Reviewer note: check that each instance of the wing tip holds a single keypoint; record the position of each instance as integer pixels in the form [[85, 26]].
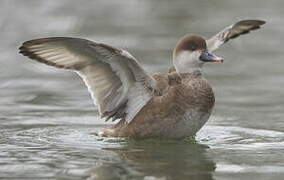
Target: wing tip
[[249, 25], [258, 21], [252, 22], [261, 22], [24, 50]]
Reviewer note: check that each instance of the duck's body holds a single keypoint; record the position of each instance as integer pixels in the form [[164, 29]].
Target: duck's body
[[169, 105], [183, 107]]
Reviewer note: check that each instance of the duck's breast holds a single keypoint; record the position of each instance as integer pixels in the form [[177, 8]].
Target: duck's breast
[[181, 111], [191, 104]]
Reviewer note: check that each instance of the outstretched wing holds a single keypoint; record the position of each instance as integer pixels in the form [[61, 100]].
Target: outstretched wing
[[116, 81], [233, 31]]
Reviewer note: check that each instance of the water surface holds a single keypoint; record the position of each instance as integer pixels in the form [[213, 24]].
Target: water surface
[[47, 119]]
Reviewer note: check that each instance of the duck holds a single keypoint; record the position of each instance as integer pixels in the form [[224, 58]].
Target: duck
[[174, 104]]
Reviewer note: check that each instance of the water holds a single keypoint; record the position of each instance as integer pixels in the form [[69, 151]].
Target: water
[[47, 120]]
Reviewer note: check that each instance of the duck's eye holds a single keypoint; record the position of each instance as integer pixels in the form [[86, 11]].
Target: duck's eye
[[193, 48]]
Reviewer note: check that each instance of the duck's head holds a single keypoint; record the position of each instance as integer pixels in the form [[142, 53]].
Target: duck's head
[[191, 53]]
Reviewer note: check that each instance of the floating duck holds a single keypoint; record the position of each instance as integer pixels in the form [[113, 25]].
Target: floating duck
[[166, 105]]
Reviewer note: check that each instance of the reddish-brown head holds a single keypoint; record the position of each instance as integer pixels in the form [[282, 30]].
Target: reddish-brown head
[[190, 54], [190, 42]]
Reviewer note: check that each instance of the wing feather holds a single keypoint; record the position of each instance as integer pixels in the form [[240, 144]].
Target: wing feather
[[115, 79], [231, 32]]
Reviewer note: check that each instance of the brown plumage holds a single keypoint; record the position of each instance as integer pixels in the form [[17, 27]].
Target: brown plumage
[[168, 115], [190, 42]]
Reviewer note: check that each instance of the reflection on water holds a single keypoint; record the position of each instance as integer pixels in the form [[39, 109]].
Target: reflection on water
[[47, 119], [154, 158]]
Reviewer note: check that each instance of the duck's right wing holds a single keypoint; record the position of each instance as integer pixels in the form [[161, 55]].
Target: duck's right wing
[[116, 81], [233, 31]]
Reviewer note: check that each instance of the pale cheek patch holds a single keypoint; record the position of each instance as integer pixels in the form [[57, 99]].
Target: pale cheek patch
[[187, 62]]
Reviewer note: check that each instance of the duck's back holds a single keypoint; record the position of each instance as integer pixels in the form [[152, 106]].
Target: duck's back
[[183, 107]]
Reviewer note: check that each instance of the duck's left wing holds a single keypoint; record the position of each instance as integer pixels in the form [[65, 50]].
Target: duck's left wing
[[115, 79], [233, 31]]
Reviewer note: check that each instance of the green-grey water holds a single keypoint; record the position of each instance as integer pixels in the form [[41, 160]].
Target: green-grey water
[[47, 118]]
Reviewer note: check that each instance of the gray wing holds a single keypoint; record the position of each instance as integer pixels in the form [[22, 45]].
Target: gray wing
[[116, 81], [233, 31]]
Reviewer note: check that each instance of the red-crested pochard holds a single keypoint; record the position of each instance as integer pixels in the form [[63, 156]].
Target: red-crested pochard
[[170, 105]]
